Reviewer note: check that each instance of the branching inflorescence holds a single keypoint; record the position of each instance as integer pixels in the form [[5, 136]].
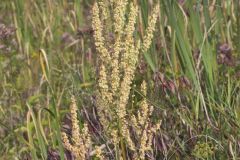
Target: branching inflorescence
[[118, 60], [81, 142]]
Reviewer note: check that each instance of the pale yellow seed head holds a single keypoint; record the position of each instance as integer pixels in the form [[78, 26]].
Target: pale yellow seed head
[[99, 154], [98, 35], [75, 122], [150, 29], [143, 143], [119, 15], [66, 142]]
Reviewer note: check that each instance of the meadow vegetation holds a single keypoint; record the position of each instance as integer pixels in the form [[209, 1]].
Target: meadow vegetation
[[124, 80]]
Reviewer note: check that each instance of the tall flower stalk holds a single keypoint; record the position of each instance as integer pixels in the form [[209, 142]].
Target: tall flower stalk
[[118, 50]]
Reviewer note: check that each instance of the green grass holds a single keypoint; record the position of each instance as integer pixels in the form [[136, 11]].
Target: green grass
[[51, 56]]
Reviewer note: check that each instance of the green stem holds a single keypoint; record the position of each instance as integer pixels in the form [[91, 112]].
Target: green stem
[[123, 149]]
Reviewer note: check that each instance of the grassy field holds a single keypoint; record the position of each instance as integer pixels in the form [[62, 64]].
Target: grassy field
[[114, 84]]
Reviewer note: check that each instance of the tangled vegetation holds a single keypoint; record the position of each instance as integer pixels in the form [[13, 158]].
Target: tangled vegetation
[[124, 80]]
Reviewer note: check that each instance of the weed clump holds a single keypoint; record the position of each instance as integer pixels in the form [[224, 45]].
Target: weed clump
[[203, 150]]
